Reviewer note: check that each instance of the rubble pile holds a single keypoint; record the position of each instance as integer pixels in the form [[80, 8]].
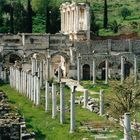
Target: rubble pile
[[12, 125]]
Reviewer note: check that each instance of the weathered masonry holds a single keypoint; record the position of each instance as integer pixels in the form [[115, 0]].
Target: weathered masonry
[[79, 56]]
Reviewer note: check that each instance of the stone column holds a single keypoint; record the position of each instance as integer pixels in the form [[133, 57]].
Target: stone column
[[33, 66], [135, 68], [85, 98], [101, 112], [62, 103], [59, 74], [47, 97], [35, 85], [61, 20], [54, 107], [48, 69], [127, 126], [78, 69], [122, 69], [106, 71], [41, 74], [94, 71], [37, 90], [72, 110]]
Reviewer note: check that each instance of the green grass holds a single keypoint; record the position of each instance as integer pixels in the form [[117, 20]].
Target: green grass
[[41, 123]]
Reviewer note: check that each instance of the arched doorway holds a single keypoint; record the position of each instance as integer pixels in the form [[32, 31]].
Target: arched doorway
[[102, 67], [86, 72], [56, 61], [13, 58]]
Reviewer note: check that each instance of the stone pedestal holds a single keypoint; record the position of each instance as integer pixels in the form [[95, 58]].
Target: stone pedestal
[[85, 98]]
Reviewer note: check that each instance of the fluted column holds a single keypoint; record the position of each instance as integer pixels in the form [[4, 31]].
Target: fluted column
[[47, 97], [85, 98], [94, 71], [101, 102], [135, 68], [106, 71], [54, 107]]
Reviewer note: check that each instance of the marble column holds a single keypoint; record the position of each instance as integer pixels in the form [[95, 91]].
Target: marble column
[[33, 66], [122, 69], [47, 97], [48, 69], [127, 126], [78, 69], [101, 112], [94, 71], [54, 107], [135, 69], [85, 98], [72, 109], [106, 71], [35, 85], [37, 90], [62, 103], [59, 74], [41, 73]]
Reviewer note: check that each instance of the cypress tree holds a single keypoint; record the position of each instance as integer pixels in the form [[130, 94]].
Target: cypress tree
[[105, 14], [29, 17]]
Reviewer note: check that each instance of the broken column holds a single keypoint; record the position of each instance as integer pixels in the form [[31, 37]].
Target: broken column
[[54, 108], [101, 112], [79, 69], [85, 98], [122, 69], [94, 71], [72, 109], [62, 103], [127, 126], [47, 97]]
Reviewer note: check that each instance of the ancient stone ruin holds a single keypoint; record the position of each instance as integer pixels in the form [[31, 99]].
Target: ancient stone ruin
[[12, 124]]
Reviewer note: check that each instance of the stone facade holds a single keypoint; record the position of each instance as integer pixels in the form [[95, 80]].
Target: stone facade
[[62, 49]]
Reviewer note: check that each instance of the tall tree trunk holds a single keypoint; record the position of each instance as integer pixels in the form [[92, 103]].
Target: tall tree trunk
[[29, 17], [105, 14]]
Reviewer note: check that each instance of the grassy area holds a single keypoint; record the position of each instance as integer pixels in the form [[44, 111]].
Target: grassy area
[[45, 127]]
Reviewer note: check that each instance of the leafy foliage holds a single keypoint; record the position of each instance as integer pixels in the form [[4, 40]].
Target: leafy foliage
[[126, 97], [125, 12]]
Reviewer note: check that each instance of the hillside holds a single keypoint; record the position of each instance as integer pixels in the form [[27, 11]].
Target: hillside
[[125, 26]]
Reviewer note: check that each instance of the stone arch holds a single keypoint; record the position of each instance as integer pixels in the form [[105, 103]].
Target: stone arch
[[41, 56], [127, 66], [62, 59], [101, 66], [11, 57], [86, 72]]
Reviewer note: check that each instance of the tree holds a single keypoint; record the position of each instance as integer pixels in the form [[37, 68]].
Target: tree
[[105, 14], [125, 97], [94, 26], [115, 26], [125, 12], [29, 17]]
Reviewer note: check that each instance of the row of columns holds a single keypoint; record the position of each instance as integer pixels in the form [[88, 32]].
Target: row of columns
[[53, 97], [26, 84], [106, 70]]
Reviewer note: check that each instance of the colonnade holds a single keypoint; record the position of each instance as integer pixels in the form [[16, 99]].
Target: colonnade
[[122, 73]]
